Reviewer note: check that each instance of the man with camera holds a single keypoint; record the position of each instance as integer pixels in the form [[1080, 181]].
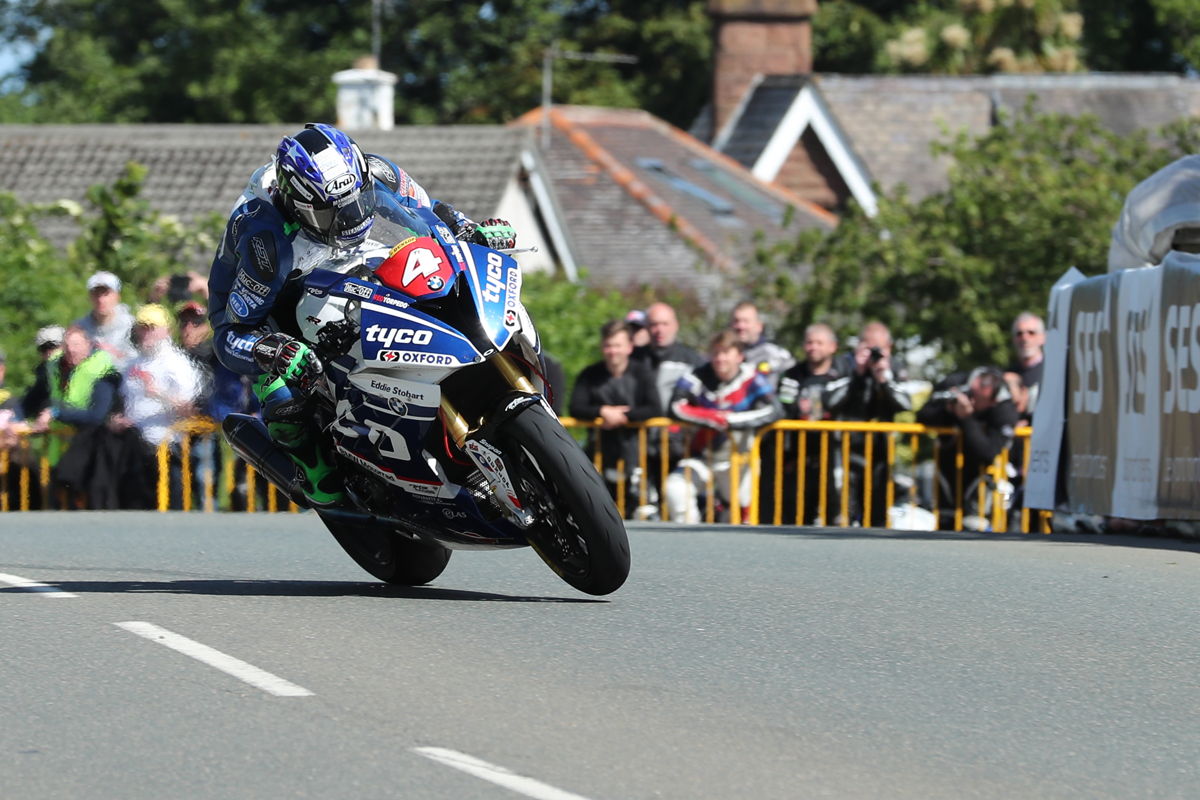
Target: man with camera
[[981, 406], [868, 391]]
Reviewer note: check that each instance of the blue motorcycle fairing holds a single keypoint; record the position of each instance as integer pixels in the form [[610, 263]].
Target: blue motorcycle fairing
[[495, 281], [410, 337]]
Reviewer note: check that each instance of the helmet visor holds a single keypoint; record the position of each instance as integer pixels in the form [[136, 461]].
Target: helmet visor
[[342, 224]]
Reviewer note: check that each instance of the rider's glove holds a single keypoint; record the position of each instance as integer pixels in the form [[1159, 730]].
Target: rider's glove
[[291, 359], [496, 234]]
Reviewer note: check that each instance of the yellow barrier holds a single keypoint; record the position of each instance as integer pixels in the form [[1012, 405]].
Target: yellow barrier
[[25, 472]]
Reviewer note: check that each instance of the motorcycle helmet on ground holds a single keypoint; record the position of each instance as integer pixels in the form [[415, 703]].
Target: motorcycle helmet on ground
[[325, 185]]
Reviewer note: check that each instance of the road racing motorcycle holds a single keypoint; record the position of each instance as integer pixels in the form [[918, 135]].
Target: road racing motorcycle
[[432, 404]]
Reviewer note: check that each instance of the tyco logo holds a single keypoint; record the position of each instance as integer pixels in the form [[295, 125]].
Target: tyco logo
[[494, 274], [386, 337]]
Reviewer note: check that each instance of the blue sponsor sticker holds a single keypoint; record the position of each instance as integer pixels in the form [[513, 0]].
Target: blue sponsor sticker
[[238, 305]]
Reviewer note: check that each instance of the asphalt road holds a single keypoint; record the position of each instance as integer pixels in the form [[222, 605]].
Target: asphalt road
[[733, 664]]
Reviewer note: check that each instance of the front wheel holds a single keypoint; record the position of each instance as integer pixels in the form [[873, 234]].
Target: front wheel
[[577, 530], [388, 555]]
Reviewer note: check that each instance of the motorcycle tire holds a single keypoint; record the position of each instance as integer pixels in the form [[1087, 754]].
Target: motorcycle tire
[[389, 556], [577, 530]]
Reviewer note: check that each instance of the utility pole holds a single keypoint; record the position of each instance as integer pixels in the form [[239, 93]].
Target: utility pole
[[552, 52]]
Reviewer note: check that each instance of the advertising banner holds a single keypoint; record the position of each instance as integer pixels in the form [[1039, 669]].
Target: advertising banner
[[1091, 396], [1179, 483], [1049, 417], [1135, 487]]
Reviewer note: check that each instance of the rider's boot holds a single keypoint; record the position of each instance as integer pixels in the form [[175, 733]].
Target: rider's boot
[[322, 481], [288, 428]]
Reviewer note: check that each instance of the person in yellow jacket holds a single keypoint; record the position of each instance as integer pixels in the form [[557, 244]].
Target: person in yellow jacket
[[83, 388]]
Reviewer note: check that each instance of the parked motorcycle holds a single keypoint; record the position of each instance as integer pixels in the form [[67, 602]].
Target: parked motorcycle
[[432, 404]]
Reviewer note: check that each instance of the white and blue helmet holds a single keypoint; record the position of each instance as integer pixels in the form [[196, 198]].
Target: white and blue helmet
[[325, 185]]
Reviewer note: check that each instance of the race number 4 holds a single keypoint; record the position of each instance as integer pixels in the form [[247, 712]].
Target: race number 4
[[422, 262]]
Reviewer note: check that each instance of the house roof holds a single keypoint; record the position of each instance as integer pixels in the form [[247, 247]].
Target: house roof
[[197, 169], [648, 203], [888, 123]]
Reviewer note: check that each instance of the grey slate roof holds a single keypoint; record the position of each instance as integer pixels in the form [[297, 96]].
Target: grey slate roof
[[196, 169], [647, 203], [891, 121]]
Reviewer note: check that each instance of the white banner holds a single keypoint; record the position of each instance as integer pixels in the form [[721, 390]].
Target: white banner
[[1049, 417], [1135, 490]]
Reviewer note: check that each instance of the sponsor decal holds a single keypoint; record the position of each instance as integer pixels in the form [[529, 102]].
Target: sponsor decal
[[358, 290], [454, 251], [491, 292], [313, 320], [382, 170], [386, 337], [264, 255], [387, 300], [517, 401], [315, 292], [237, 344], [252, 286], [510, 318], [374, 469], [434, 283], [340, 184], [451, 513], [238, 305], [397, 407], [359, 228], [401, 246], [397, 390], [444, 233], [408, 357]]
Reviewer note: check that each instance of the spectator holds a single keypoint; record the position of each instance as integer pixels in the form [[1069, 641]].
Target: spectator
[[669, 358], [8, 401], [83, 387], [980, 405], [867, 390], [760, 352], [556, 382], [48, 341], [1029, 342], [800, 391], [728, 399], [618, 391], [179, 288], [109, 322], [160, 389], [222, 392], [636, 320]]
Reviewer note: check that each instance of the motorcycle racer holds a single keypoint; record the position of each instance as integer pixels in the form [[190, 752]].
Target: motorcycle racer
[[317, 196]]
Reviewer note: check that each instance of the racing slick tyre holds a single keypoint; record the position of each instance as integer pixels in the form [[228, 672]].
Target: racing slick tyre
[[388, 555], [577, 530]]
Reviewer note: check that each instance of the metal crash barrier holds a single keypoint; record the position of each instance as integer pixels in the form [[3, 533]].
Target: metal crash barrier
[[789, 472]]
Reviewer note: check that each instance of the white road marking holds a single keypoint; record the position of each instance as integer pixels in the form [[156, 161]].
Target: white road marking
[[44, 589], [496, 774], [258, 678]]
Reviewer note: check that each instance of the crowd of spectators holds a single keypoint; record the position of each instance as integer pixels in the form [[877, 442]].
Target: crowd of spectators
[[747, 381], [108, 394], [111, 388]]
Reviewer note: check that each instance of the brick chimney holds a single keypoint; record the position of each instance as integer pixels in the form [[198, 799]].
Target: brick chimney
[[752, 37]]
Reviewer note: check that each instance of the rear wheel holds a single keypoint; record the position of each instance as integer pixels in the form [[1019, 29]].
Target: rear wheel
[[577, 530], [389, 556]]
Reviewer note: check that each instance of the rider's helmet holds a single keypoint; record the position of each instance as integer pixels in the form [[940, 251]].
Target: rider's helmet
[[325, 185]]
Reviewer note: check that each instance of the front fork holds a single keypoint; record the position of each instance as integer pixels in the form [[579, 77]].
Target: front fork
[[486, 457]]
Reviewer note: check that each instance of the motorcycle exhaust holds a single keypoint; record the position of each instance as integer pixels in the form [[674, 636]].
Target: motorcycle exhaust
[[249, 438]]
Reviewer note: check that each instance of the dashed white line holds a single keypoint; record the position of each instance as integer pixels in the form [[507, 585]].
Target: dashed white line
[[258, 678], [496, 774], [44, 589]]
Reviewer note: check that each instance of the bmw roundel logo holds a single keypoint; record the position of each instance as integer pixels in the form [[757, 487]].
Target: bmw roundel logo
[[398, 407], [238, 305], [435, 283]]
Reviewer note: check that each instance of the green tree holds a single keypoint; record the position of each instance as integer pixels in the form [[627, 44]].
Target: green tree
[[1024, 202], [979, 36], [272, 60]]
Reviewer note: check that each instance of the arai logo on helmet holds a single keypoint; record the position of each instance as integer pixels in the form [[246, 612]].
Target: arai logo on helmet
[[340, 184]]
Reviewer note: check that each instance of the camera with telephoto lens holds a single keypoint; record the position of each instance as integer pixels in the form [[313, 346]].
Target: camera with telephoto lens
[[875, 356]]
